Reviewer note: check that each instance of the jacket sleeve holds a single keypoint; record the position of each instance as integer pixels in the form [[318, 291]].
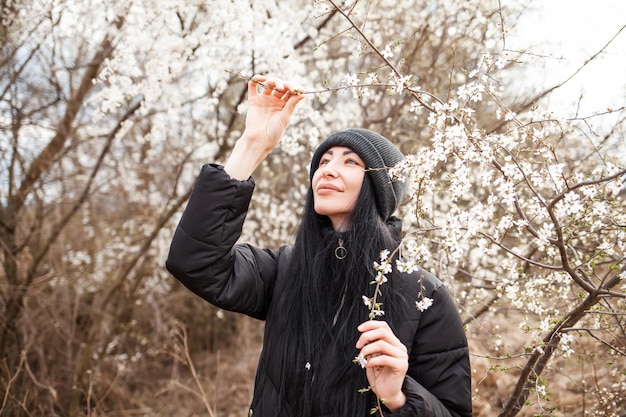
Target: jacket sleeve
[[438, 382], [203, 254]]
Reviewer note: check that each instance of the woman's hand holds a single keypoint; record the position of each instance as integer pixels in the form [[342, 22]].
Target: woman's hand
[[271, 102], [386, 362], [270, 109]]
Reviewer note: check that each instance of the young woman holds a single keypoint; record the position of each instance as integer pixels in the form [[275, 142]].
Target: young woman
[[311, 293]]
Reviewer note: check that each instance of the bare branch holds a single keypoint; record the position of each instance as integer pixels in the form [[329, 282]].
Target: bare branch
[[48, 154], [38, 258], [533, 100]]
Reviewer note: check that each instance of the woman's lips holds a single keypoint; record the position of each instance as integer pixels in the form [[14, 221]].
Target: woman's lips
[[327, 187]]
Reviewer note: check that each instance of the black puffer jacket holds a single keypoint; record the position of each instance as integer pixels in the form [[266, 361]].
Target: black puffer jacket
[[242, 278]]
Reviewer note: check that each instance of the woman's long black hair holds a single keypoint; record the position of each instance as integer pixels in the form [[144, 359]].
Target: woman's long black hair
[[323, 306]]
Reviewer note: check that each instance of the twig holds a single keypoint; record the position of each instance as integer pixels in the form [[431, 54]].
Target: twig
[[381, 56], [50, 388], [192, 369], [340, 88], [10, 382]]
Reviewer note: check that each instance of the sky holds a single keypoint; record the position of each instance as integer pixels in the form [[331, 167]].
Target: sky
[[565, 33]]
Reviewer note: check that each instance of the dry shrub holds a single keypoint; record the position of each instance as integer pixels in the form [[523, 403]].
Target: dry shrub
[[589, 382]]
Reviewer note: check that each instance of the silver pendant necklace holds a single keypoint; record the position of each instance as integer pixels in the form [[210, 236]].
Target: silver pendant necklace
[[340, 251]]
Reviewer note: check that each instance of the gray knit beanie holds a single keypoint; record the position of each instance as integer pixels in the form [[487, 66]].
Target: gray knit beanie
[[378, 154]]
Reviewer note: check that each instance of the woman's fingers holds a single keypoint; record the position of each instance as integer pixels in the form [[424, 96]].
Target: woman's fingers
[[381, 354], [293, 99], [373, 330], [379, 346], [384, 347], [274, 87]]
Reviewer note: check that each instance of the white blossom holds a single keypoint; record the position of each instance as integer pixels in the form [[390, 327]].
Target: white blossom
[[423, 304]]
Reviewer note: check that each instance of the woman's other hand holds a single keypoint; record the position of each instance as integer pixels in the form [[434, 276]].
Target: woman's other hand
[[386, 362]]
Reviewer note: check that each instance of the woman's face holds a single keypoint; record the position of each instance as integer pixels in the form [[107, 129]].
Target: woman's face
[[337, 184]]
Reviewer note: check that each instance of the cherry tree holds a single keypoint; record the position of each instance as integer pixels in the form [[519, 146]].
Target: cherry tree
[[521, 209]]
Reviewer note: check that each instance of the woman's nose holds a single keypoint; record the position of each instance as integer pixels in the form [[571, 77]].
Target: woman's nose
[[329, 169]]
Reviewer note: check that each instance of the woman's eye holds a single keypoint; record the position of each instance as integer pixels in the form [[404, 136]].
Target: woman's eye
[[353, 162], [323, 162]]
